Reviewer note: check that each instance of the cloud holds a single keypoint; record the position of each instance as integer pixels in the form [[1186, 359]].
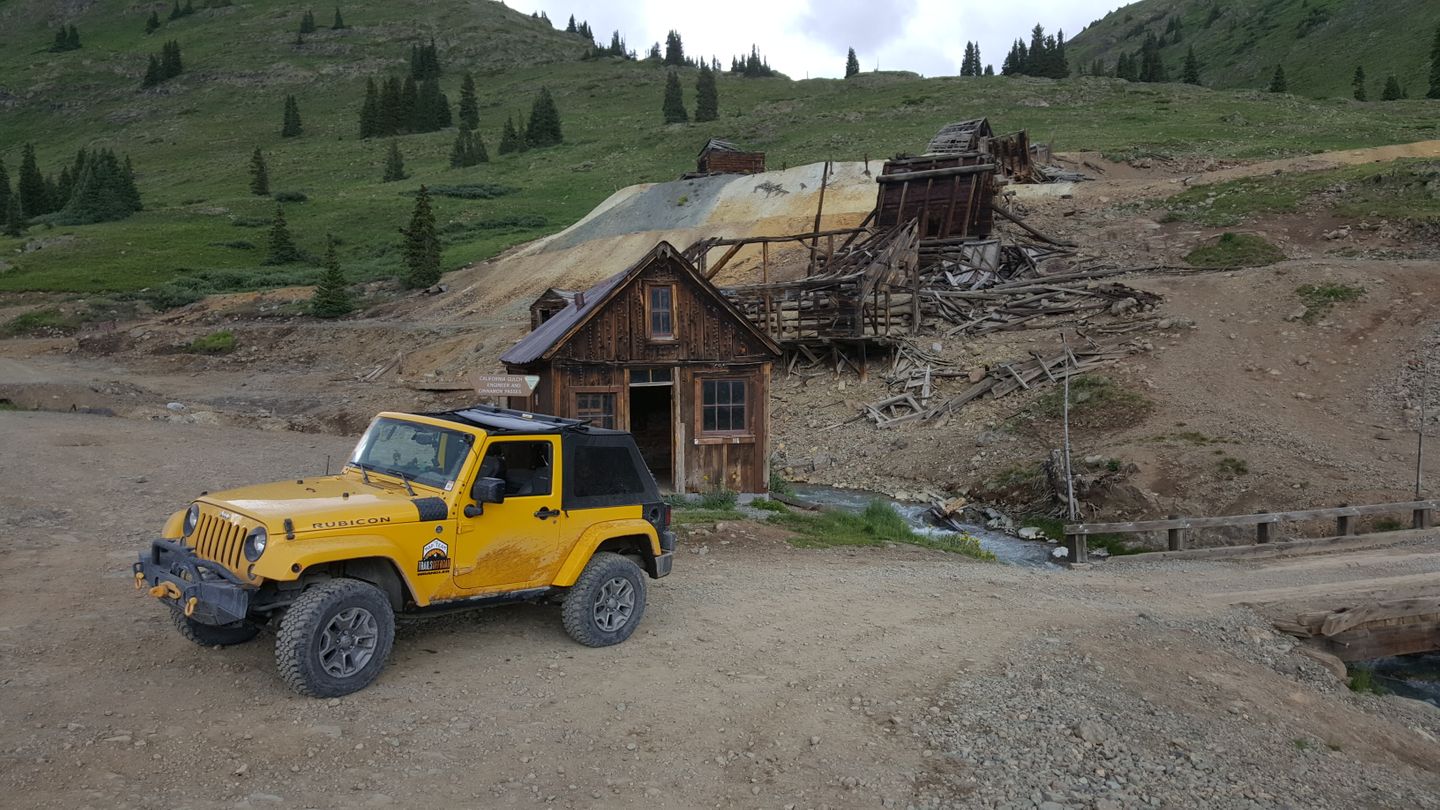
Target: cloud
[[860, 24]]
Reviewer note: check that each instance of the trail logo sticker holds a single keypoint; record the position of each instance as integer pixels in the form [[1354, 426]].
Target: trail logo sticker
[[435, 558]]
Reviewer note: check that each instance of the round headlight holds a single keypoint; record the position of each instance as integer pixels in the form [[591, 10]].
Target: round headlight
[[255, 543], [192, 517]]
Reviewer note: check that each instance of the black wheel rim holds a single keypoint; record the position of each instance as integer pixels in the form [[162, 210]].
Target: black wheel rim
[[348, 642], [614, 604]]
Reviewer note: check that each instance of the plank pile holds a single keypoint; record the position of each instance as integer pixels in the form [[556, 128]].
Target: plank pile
[[1373, 630]]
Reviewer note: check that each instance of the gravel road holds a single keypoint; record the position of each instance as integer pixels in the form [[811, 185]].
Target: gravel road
[[764, 676]]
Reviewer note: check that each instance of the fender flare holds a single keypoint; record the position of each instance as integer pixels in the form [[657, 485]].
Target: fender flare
[[597, 534], [308, 553]]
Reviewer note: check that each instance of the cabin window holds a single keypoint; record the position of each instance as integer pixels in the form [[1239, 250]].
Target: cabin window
[[651, 376], [597, 406], [660, 311], [723, 406]]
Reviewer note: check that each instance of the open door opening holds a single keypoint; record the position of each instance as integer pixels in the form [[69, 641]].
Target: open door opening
[[651, 414]]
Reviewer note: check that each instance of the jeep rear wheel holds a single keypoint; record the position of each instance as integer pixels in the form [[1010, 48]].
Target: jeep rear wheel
[[209, 635], [334, 639], [606, 603]]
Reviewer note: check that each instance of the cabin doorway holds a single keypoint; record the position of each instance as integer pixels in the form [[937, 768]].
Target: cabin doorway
[[652, 419]]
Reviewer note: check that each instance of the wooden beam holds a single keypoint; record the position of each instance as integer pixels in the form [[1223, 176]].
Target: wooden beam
[[1135, 527], [1000, 209], [933, 173]]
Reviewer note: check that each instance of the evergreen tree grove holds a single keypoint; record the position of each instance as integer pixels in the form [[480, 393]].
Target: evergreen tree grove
[[170, 65], [1357, 82], [707, 95], [673, 106], [290, 126], [103, 190], [153, 23], [422, 245], [259, 175], [307, 23], [544, 127], [394, 164], [153, 76], [1434, 91], [852, 64], [282, 246], [468, 149], [469, 108], [674, 49], [332, 296]]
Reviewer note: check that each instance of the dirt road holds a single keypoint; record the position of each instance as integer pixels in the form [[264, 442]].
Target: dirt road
[[763, 676]]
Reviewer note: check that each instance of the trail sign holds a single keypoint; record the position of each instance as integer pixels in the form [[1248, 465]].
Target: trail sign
[[505, 385]]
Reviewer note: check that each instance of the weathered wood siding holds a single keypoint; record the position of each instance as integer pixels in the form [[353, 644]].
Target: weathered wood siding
[[947, 206], [724, 162]]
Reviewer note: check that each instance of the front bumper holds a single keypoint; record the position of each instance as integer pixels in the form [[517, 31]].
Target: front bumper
[[203, 590]]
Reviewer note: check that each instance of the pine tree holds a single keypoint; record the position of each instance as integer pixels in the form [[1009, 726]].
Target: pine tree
[[153, 23], [1152, 65], [60, 40], [1191, 74], [394, 164], [370, 111], [674, 49], [422, 245], [14, 220], [307, 23], [72, 39], [469, 108], [189, 8], [1357, 82], [259, 175], [852, 64], [570, 26], [409, 105], [460, 151], [1393, 91], [282, 247], [707, 95], [30, 186], [170, 65], [509, 138], [389, 116], [176, 13], [290, 127], [128, 190], [674, 104], [332, 297], [339, 23], [968, 59], [6, 195], [989, 70], [153, 74], [1435, 67], [1277, 82], [544, 127]]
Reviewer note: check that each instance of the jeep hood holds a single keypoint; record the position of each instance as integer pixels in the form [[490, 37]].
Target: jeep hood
[[334, 502]]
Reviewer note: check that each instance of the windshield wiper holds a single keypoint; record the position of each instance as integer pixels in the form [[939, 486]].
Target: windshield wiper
[[363, 471], [406, 482]]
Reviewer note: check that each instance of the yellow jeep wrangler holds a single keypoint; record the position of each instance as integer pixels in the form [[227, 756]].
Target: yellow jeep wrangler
[[433, 512]]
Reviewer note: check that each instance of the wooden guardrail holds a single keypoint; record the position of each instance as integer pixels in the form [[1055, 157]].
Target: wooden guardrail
[[1176, 527]]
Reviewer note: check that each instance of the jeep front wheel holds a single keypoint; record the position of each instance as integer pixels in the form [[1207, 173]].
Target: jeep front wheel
[[606, 602], [334, 639], [208, 635]]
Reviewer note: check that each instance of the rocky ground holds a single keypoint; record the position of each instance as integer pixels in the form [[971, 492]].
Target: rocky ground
[[764, 676]]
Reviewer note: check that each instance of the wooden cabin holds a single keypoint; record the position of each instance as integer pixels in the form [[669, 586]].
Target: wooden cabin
[[951, 196], [658, 351], [549, 304], [724, 157], [961, 136]]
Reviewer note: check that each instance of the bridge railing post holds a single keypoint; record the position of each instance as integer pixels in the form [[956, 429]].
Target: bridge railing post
[[1175, 538], [1078, 548], [1263, 532], [1344, 524], [1421, 519]]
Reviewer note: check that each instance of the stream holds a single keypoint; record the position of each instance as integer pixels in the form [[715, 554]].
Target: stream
[[1412, 676], [1007, 549]]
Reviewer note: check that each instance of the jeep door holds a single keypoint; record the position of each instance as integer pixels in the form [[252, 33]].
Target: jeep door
[[514, 544]]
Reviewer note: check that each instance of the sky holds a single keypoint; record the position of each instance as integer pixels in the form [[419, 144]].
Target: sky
[[809, 38]]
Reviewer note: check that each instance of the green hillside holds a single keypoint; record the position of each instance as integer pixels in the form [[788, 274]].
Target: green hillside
[[191, 138], [1239, 42]]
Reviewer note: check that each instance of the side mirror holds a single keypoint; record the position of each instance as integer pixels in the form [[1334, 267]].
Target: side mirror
[[488, 490]]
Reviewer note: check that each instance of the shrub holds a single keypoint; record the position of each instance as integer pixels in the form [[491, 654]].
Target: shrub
[[1236, 250], [222, 342], [718, 499], [290, 196], [49, 320], [1319, 299], [1095, 402], [473, 191]]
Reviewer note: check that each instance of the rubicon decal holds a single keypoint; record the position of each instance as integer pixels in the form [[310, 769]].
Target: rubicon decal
[[340, 524], [435, 558]]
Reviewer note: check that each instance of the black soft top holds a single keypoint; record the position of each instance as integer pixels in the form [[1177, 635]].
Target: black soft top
[[602, 467]]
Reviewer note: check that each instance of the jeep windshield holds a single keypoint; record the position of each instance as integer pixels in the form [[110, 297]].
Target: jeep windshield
[[416, 452]]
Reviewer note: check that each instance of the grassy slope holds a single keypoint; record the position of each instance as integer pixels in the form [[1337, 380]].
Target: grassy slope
[[191, 140], [1242, 47]]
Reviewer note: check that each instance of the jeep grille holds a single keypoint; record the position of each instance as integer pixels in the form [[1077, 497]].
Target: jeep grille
[[220, 540]]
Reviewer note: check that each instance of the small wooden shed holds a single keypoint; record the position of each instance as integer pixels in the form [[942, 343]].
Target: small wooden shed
[[658, 351], [724, 157], [549, 304]]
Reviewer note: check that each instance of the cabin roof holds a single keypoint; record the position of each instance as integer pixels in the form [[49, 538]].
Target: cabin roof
[[549, 336]]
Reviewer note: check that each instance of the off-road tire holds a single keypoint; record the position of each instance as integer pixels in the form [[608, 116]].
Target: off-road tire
[[580, 608], [303, 631], [208, 635]]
